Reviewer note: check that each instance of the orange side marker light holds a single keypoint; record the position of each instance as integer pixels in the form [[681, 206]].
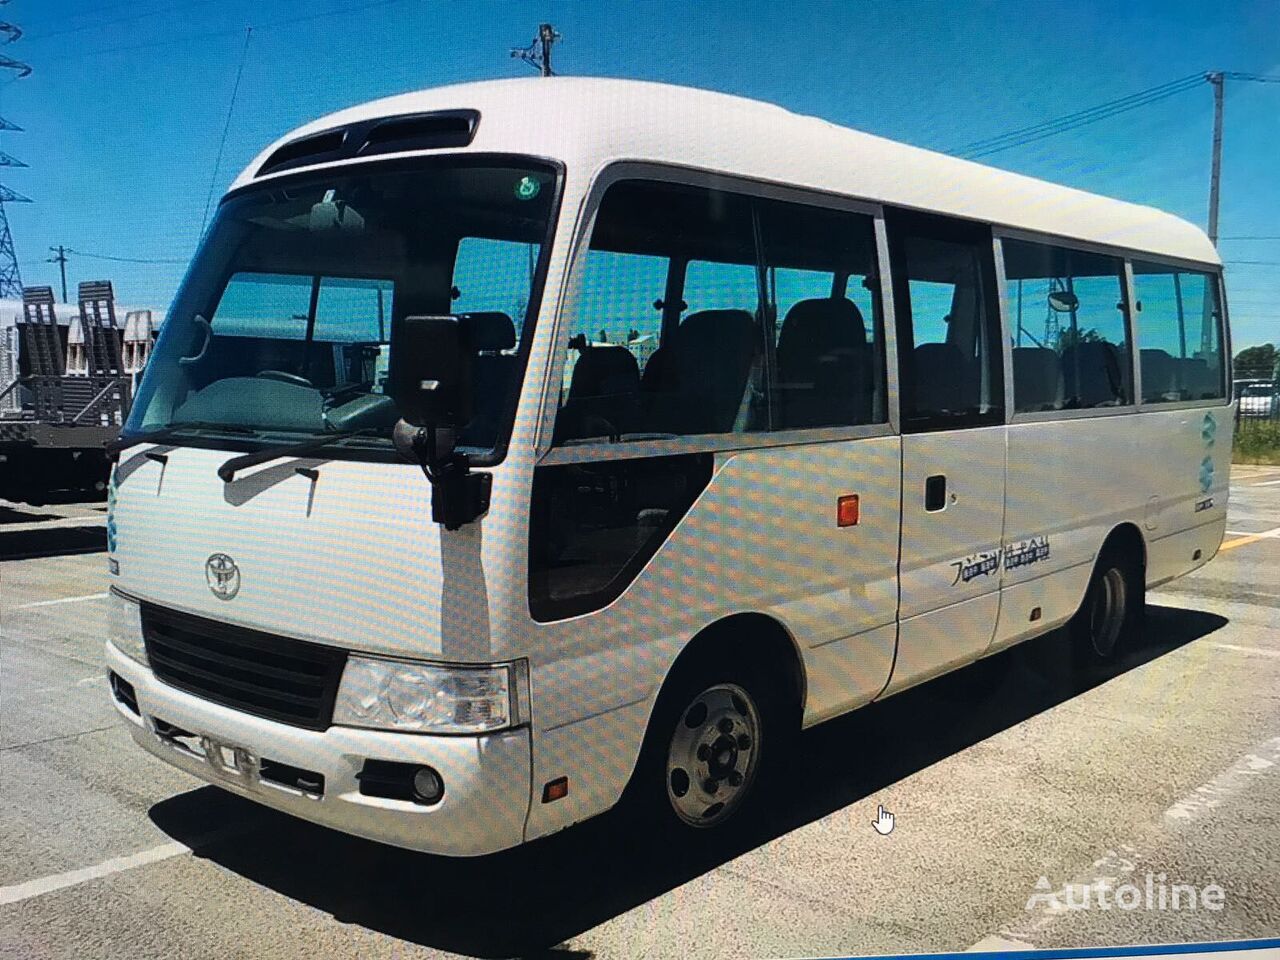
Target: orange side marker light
[[555, 789], [847, 511]]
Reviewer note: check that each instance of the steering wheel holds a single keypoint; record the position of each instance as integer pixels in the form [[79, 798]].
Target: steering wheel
[[285, 377]]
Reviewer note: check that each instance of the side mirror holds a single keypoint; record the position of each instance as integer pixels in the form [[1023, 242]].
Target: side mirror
[[429, 372], [429, 378]]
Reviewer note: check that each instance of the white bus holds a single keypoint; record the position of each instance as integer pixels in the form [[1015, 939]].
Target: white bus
[[407, 539]]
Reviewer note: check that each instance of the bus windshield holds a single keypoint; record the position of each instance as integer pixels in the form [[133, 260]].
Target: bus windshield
[[281, 329]]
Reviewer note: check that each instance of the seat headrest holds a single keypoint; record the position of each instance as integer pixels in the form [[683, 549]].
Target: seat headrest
[[717, 323], [604, 371], [490, 330], [832, 322]]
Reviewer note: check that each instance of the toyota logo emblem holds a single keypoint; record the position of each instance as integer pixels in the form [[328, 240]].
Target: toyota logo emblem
[[222, 575]]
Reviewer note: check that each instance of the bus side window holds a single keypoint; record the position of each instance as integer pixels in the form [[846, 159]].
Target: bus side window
[[829, 341], [1179, 333], [703, 377], [1070, 329], [948, 324], [617, 328]]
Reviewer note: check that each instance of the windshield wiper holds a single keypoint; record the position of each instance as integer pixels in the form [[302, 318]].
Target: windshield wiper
[[227, 472], [114, 447]]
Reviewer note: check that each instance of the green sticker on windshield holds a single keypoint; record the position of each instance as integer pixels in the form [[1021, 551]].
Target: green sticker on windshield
[[527, 188]]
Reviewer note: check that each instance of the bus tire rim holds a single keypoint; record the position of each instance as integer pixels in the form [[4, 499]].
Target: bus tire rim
[[1110, 601], [713, 755]]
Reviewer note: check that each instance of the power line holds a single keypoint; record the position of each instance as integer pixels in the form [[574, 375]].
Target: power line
[[229, 31], [126, 19], [1080, 118], [1252, 263], [1250, 238], [103, 256], [226, 127], [1254, 77]]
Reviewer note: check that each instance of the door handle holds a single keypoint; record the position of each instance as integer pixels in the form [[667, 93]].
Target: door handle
[[935, 493]]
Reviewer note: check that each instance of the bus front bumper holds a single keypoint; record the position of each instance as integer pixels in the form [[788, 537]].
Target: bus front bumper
[[486, 778]]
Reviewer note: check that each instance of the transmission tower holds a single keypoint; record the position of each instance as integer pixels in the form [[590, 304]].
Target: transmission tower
[[538, 53], [10, 277]]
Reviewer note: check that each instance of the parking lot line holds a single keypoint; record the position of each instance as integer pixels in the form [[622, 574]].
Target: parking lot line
[[18, 892], [1257, 651], [1266, 483], [1251, 538], [52, 603], [60, 881]]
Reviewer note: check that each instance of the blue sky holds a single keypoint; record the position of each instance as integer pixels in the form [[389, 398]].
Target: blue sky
[[125, 110]]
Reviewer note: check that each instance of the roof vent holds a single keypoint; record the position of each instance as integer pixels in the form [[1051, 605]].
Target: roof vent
[[315, 148], [419, 131], [428, 131]]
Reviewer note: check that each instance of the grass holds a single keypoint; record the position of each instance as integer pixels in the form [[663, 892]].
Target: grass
[[1257, 443]]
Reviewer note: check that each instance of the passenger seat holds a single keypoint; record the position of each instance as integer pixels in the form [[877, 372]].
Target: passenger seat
[[941, 377], [1159, 376], [696, 384], [824, 366], [604, 394], [1093, 374], [1037, 379]]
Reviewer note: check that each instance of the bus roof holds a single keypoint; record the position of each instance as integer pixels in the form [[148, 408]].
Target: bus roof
[[590, 122]]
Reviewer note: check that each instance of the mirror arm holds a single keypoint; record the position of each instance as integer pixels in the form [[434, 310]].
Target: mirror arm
[[458, 496]]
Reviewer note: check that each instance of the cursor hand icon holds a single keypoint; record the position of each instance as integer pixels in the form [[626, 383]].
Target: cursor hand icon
[[883, 822]]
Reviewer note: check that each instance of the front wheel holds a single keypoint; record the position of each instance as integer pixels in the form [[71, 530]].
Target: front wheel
[[716, 738], [1110, 617]]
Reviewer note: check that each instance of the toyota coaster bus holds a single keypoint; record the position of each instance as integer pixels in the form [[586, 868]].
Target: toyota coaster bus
[[517, 449]]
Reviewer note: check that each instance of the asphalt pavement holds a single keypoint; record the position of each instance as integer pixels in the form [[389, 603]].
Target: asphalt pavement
[[1017, 795]]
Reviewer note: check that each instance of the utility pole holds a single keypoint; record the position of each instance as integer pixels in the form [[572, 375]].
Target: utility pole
[[538, 53], [1218, 80], [61, 261]]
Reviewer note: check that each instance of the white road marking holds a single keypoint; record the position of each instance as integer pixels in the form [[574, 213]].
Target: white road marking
[[1266, 483], [75, 683], [52, 603], [60, 881], [1257, 651], [87, 522], [19, 892], [1115, 866], [1227, 784], [994, 944]]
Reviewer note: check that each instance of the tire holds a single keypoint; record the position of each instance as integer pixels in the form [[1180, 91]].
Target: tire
[[719, 736], [1109, 620]]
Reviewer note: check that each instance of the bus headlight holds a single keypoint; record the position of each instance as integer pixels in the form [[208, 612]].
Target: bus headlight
[[431, 698], [124, 626]]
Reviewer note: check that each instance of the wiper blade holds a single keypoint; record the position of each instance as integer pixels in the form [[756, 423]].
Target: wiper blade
[[227, 472], [114, 447]]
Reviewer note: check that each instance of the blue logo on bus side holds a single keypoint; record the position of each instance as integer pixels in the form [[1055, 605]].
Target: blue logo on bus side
[[1208, 432], [111, 512]]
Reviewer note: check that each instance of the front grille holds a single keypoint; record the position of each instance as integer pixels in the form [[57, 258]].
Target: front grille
[[266, 675]]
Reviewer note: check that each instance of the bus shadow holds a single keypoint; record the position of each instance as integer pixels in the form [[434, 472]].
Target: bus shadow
[[529, 901], [53, 541]]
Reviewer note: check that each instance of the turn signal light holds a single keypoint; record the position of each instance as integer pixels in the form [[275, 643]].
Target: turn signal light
[[555, 789], [847, 511]]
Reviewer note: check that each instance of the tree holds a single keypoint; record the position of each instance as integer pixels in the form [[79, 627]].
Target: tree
[[1070, 338], [1256, 362]]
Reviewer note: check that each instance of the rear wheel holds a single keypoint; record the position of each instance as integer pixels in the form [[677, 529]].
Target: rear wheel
[[1110, 617]]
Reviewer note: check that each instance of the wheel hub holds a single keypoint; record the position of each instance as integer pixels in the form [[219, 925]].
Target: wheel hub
[[713, 755]]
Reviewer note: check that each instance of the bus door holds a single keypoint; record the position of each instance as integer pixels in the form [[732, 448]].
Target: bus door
[[951, 402]]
